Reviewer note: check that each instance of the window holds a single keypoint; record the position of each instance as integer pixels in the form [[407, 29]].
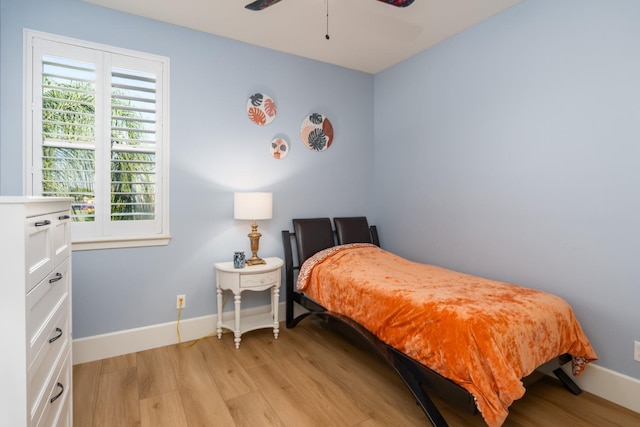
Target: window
[[97, 131]]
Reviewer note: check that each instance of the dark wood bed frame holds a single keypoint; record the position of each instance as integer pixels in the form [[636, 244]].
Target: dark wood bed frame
[[312, 235]]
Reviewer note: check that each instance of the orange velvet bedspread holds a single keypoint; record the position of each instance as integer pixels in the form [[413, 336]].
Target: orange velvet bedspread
[[482, 334]]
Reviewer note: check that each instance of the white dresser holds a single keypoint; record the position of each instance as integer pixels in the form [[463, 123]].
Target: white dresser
[[35, 347]]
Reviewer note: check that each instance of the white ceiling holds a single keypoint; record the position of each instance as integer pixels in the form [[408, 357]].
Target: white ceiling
[[365, 35]]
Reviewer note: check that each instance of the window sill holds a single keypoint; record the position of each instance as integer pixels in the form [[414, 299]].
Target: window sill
[[117, 243]]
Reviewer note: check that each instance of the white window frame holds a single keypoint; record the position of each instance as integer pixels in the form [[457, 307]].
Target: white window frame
[[99, 234]]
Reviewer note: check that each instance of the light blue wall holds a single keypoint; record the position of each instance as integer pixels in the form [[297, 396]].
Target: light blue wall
[[510, 151], [215, 150], [513, 151]]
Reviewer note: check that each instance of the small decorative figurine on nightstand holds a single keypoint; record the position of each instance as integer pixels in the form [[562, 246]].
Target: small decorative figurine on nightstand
[[238, 259], [260, 277]]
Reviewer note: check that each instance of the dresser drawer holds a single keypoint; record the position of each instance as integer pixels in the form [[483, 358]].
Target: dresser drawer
[[39, 244], [259, 279], [50, 408], [65, 418], [47, 351], [61, 236], [44, 299]]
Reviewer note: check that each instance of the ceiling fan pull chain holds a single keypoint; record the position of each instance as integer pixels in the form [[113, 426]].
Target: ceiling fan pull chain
[[327, 35]]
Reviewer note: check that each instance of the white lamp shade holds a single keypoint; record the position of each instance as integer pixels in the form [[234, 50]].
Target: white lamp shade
[[252, 206]]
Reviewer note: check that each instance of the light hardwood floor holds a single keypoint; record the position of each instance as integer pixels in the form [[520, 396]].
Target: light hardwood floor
[[310, 376]]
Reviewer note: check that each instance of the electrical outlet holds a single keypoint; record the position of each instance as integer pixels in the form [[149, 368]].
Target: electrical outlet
[[181, 302], [636, 351]]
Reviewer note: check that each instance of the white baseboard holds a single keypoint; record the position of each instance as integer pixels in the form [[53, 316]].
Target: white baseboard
[[610, 385], [139, 339]]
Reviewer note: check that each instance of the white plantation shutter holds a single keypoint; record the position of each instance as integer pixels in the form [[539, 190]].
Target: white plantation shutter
[[135, 113], [68, 132], [133, 145], [98, 134]]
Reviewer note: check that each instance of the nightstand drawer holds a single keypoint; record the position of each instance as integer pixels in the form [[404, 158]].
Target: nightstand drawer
[[260, 279]]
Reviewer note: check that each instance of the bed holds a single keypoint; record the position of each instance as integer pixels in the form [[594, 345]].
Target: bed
[[469, 340]]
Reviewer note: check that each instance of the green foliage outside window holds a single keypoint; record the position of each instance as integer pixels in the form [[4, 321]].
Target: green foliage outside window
[[68, 130]]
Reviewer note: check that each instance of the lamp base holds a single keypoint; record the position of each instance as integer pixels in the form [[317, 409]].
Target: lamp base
[[254, 237], [255, 261]]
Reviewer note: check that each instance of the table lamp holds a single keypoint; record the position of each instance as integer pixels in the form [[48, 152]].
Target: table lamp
[[253, 207]]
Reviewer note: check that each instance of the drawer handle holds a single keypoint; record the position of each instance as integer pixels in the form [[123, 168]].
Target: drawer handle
[[55, 279], [43, 223], [57, 336], [63, 217], [57, 396]]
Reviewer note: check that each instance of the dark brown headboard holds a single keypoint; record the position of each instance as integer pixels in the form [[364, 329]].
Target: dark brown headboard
[[315, 234], [353, 229], [312, 236]]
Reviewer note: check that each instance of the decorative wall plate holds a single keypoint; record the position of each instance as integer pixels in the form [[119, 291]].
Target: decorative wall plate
[[279, 148], [261, 109], [316, 132]]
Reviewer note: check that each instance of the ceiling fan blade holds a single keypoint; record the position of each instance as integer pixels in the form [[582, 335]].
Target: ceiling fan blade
[[398, 3], [262, 4]]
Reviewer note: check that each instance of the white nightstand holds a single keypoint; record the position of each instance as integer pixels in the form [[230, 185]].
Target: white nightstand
[[251, 278]]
